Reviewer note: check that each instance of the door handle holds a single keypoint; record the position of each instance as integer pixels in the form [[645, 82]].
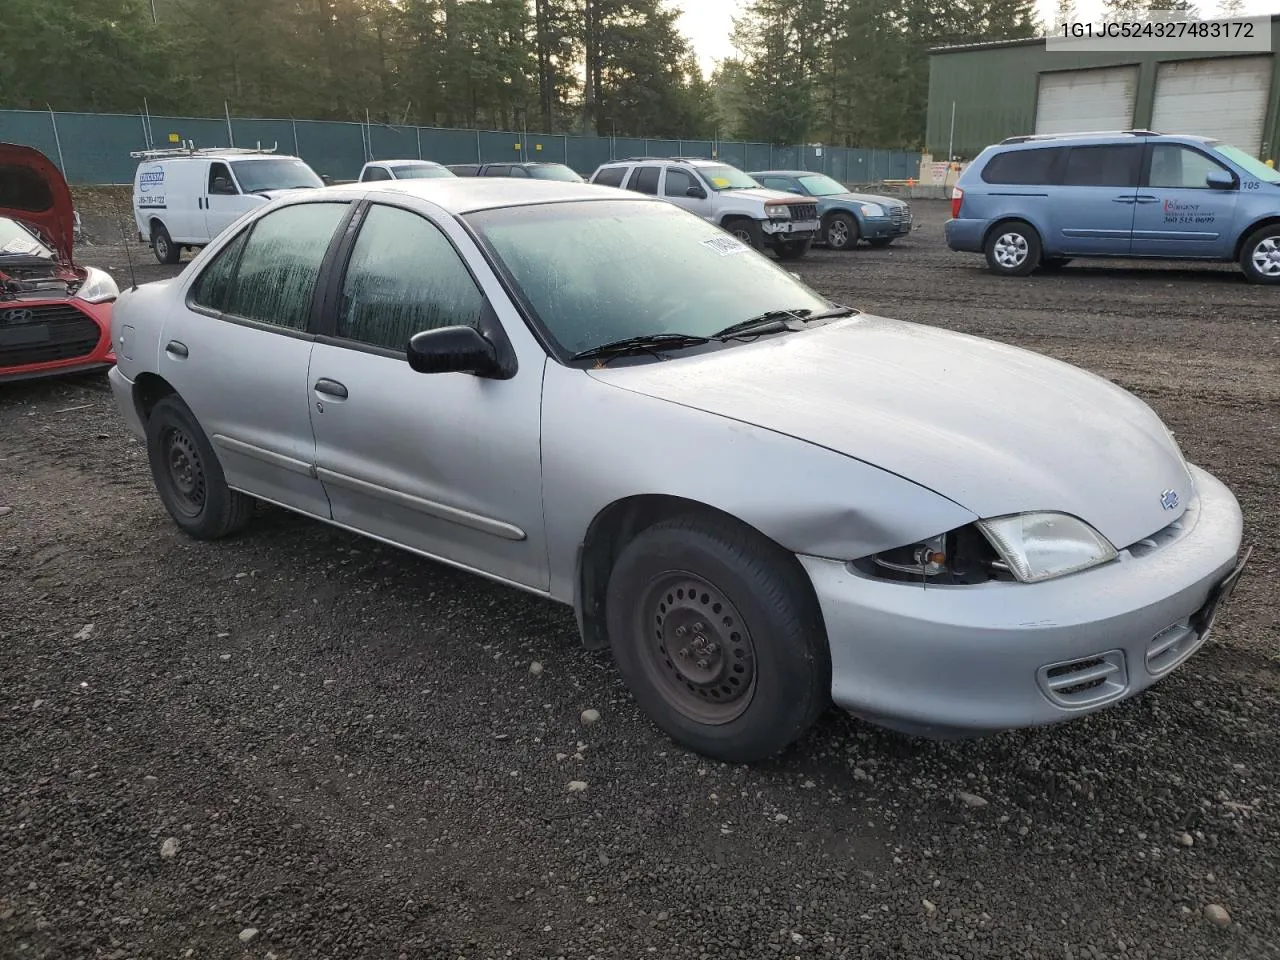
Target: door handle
[[331, 388], [1123, 199], [177, 350], [1146, 198]]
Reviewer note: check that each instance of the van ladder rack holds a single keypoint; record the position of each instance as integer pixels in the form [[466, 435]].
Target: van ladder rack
[[189, 149]]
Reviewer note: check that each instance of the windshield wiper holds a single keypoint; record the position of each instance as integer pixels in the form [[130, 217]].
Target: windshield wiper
[[775, 321], [647, 342]]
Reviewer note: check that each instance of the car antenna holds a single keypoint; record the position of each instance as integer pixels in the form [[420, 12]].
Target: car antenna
[[133, 279]]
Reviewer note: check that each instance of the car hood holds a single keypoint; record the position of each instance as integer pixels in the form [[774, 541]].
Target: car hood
[[886, 202], [34, 191], [992, 427], [764, 195]]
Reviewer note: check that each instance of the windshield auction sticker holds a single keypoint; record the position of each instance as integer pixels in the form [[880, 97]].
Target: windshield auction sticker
[[725, 246], [1161, 31]]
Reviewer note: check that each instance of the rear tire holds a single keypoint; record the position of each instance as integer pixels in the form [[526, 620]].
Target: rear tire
[[1013, 249], [1260, 256], [792, 249], [188, 476], [162, 245], [718, 635], [747, 230], [841, 231]]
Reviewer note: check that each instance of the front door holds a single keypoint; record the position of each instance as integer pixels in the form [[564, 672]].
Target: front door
[[446, 464], [224, 203], [239, 354], [676, 187], [1092, 212], [1178, 213]]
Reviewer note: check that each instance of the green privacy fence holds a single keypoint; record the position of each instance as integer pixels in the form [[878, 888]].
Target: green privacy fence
[[94, 147]]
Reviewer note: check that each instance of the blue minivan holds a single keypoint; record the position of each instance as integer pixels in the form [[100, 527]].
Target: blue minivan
[[1038, 201]]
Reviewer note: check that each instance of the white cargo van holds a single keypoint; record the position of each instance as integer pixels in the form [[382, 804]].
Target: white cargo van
[[183, 198]]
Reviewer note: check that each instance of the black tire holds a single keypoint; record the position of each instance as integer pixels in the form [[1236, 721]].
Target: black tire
[[162, 245], [1013, 248], [881, 242], [1260, 255], [188, 476], [745, 609], [747, 230], [792, 249], [1054, 263], [841, 231]]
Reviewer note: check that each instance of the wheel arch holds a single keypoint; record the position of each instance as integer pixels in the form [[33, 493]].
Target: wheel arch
[[148, 390], [1013, 218], [1250, 230], [607, 535]]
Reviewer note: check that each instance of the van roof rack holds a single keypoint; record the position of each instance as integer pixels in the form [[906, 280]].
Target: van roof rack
[[189, 149], [1029, 137], [639, 159]]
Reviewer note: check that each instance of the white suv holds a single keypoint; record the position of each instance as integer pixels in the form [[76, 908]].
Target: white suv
[[723, 195]]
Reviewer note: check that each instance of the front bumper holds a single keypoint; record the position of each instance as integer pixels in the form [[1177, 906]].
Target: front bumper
[[122, 390], [951, 660], [790, 229], [874, 228], [55, 337]]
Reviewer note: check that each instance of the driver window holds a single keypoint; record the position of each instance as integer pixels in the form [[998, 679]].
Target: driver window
[[220, 181], [1179, 167], [404, 277], [678, 183]]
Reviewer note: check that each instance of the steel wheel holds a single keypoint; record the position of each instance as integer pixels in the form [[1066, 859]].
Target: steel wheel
[[699, 653], [1011, 250], [1266, 257], [743, 234], [185, 471]]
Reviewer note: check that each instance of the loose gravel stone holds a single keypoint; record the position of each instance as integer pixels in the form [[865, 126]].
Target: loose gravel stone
[[535, 668], [576, 786], [971, 800], [247, 934], [169, 849], [1217, 914], [589, 717]]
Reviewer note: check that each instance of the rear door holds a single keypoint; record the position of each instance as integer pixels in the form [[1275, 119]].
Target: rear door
[[1177, 213], [1091, 213], [238, 352], [645, 180]]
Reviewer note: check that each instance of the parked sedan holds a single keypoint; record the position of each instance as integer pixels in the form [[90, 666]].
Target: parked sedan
[[54, 314], [745, 490], [846, 217]]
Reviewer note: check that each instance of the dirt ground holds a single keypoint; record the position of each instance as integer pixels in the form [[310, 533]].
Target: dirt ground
[[342, 747]]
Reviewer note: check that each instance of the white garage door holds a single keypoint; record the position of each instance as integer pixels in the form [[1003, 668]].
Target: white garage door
[[1224, 98], [1075, 101]]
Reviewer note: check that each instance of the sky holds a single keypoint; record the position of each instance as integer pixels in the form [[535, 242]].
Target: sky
[[709, 23]]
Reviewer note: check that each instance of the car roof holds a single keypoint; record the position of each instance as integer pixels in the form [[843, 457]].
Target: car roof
[[692, 161], [783, 173], [402, 163], [468, 195], [1097, 137]]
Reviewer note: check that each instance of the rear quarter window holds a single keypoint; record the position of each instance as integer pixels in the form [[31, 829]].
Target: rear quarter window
[[1027, 167], [611, 176]]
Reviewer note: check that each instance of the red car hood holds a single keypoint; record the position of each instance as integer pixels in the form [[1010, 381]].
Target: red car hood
[[34, 191]]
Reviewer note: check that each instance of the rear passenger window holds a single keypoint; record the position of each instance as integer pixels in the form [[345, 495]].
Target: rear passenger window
[[277, 272], [1030, 167], [610, 176], [645, 180], [1105, 166], [376, 173], [404, 277]]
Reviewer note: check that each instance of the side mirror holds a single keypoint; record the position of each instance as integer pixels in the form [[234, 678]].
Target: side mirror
[[326, 179], [697, 193], [1220, 180], [453, 350]]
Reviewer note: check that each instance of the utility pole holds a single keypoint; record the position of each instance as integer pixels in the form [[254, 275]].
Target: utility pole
[[589, 91]]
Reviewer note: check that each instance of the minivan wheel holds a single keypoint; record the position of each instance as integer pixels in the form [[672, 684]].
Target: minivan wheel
[[719, 637], [1260, 256], [841, 232], [188, 476], [162, 245], [1013, 249]]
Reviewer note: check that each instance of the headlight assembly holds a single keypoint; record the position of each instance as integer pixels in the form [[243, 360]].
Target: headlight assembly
[[98, 287], [1041, 546], [872, 210]]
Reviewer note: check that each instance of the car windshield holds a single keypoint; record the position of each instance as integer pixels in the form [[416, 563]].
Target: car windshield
[[1253, 166], [601, 271], [554, 171], [721, 176], [280, 173], [820, 185], [420, 171], [17, 241]]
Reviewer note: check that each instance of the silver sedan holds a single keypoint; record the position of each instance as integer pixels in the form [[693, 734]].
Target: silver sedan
[[761, 500]]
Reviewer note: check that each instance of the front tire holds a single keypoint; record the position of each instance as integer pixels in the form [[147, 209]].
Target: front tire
[[792, 249], [1013, 249], [162, 245], [719, 637], [188, 476], [1260, 256], [841, 232], [746, 230]]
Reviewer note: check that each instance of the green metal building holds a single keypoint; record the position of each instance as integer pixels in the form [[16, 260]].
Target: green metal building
[[998, 90]]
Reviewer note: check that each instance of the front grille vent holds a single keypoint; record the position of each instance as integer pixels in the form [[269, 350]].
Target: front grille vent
[[1086, 682]]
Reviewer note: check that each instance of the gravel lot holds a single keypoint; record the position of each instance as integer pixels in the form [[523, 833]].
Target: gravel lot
[[343, 747]]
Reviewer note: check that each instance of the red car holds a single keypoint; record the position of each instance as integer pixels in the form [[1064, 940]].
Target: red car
[[55, 317]]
